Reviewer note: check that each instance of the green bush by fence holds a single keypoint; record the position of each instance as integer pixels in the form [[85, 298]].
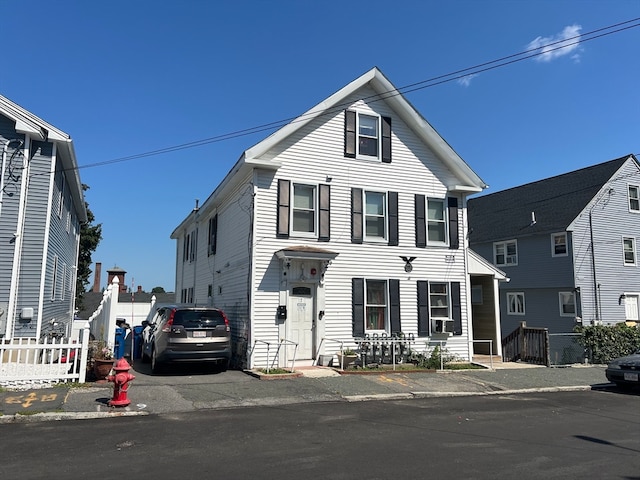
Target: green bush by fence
[[604, 343]]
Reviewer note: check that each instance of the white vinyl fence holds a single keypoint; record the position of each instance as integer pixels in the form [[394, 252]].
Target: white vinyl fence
[[30, 363]]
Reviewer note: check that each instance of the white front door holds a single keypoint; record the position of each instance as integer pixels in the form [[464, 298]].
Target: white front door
[[300, 320], [631, 307]]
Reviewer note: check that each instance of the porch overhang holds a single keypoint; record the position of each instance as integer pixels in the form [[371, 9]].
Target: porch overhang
[[305, 252], [480, 266]]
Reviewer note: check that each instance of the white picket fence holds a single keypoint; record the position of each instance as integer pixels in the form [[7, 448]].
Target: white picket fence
[[32, 363]]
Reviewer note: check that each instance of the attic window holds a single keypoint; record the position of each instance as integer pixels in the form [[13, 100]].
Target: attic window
[[367, 136]]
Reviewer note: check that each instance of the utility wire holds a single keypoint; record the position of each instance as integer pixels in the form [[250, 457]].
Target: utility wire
[[431, 82]]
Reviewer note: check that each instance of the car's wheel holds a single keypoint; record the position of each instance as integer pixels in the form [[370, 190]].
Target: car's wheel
[[156, 367]]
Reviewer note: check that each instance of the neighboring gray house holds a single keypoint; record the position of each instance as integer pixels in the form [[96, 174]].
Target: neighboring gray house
[[567, 243], [41, 210], [349, 221]]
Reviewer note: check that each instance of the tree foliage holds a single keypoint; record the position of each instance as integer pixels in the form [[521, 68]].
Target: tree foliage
[[90, 236], [157, 290]]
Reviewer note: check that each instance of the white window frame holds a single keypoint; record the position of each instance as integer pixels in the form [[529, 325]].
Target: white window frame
[[61, 202], [385, 216], [626, 250], [384, 305], [571, 300], [513, 300], [54, 280], [634, 198], [378, 137], [444, 222], [553, 244], [440, 323], [505, 245], [313, 210]]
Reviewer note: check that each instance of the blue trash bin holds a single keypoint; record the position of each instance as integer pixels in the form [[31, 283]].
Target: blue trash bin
[[118, 350], [137, 342]]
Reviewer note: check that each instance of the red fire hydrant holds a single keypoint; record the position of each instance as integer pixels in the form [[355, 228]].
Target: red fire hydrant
[[120, 380]]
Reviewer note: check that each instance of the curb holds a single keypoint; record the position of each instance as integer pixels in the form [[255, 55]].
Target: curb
[[59, 416]]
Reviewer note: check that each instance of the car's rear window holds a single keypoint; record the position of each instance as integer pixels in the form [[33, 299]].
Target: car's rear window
[[198, 318]]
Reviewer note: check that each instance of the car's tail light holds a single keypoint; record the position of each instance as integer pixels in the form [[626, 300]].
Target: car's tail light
[[167, 326], [226, 322]]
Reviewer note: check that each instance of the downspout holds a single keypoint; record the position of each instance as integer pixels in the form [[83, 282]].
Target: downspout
[[593, 269]]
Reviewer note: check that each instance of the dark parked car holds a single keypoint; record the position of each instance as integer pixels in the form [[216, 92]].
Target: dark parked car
[[624, 371], [187, 334]]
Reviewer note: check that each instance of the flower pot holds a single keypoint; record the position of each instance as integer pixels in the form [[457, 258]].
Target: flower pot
[[102, 368]]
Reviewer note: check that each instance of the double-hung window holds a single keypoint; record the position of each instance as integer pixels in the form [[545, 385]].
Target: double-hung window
[[375, 215], [440, 308], [367, 136], [505, 253], [629, 250], [376, 306], [515, 303], [634, 198], [212, 241], [436, 221], [559, 244], [567, 304], [304, 209]]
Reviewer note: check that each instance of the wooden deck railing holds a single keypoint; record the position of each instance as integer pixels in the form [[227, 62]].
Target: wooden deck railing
[[527, 344]]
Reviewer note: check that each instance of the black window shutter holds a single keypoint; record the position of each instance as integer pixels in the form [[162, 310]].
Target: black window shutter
[[356, 215], [284, 198], [386, 139], [357, 299], [456, 308], [394, 305], [324, 202], [393, 218], [424, 325], [349, 133], [421, 222], [214, 233], [454, 237]]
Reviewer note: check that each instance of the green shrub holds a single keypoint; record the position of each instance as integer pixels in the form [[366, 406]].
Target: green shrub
[[605, 343], [432, 361]]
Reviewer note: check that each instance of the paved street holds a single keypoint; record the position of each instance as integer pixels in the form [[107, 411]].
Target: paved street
[[527, 436]]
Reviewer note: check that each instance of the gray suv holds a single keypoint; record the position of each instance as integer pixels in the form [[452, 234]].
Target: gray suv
[[187, 334]]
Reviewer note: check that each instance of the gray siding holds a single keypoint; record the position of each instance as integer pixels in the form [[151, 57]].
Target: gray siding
[[610, 220]]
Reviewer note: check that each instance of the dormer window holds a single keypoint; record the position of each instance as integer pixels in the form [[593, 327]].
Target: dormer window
[[367, 136]]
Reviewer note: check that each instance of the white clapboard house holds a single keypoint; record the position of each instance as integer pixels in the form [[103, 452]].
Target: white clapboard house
[[350, 221]]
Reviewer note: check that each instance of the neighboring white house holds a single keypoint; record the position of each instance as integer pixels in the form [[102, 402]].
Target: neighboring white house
[[41, 210], [348, 221]]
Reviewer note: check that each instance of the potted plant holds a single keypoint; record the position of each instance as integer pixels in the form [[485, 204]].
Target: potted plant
[[346, 358], [101, 358]]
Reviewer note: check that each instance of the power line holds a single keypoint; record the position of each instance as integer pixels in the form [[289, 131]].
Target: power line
[[423, 84]]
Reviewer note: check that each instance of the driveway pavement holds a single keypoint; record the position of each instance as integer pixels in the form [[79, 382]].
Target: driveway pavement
[[188, 390]]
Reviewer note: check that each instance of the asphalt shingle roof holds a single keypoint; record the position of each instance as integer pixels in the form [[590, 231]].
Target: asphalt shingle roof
[[556, 201]]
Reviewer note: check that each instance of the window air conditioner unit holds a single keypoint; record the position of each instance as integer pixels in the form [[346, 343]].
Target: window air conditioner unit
[[442, 326]]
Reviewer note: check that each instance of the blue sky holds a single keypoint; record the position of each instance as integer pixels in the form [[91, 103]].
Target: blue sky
[[126, 77]]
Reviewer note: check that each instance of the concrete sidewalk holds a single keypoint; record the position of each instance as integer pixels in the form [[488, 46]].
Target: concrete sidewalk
[[184, 392]]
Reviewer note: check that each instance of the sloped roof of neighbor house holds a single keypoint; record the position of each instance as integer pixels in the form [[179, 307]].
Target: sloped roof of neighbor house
[[545, 206]]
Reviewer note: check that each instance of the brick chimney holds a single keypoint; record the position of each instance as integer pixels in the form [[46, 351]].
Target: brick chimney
[[96, 278]]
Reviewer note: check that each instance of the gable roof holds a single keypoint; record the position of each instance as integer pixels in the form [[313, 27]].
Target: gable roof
[[34, 127], [469, 181], [555, 203]]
